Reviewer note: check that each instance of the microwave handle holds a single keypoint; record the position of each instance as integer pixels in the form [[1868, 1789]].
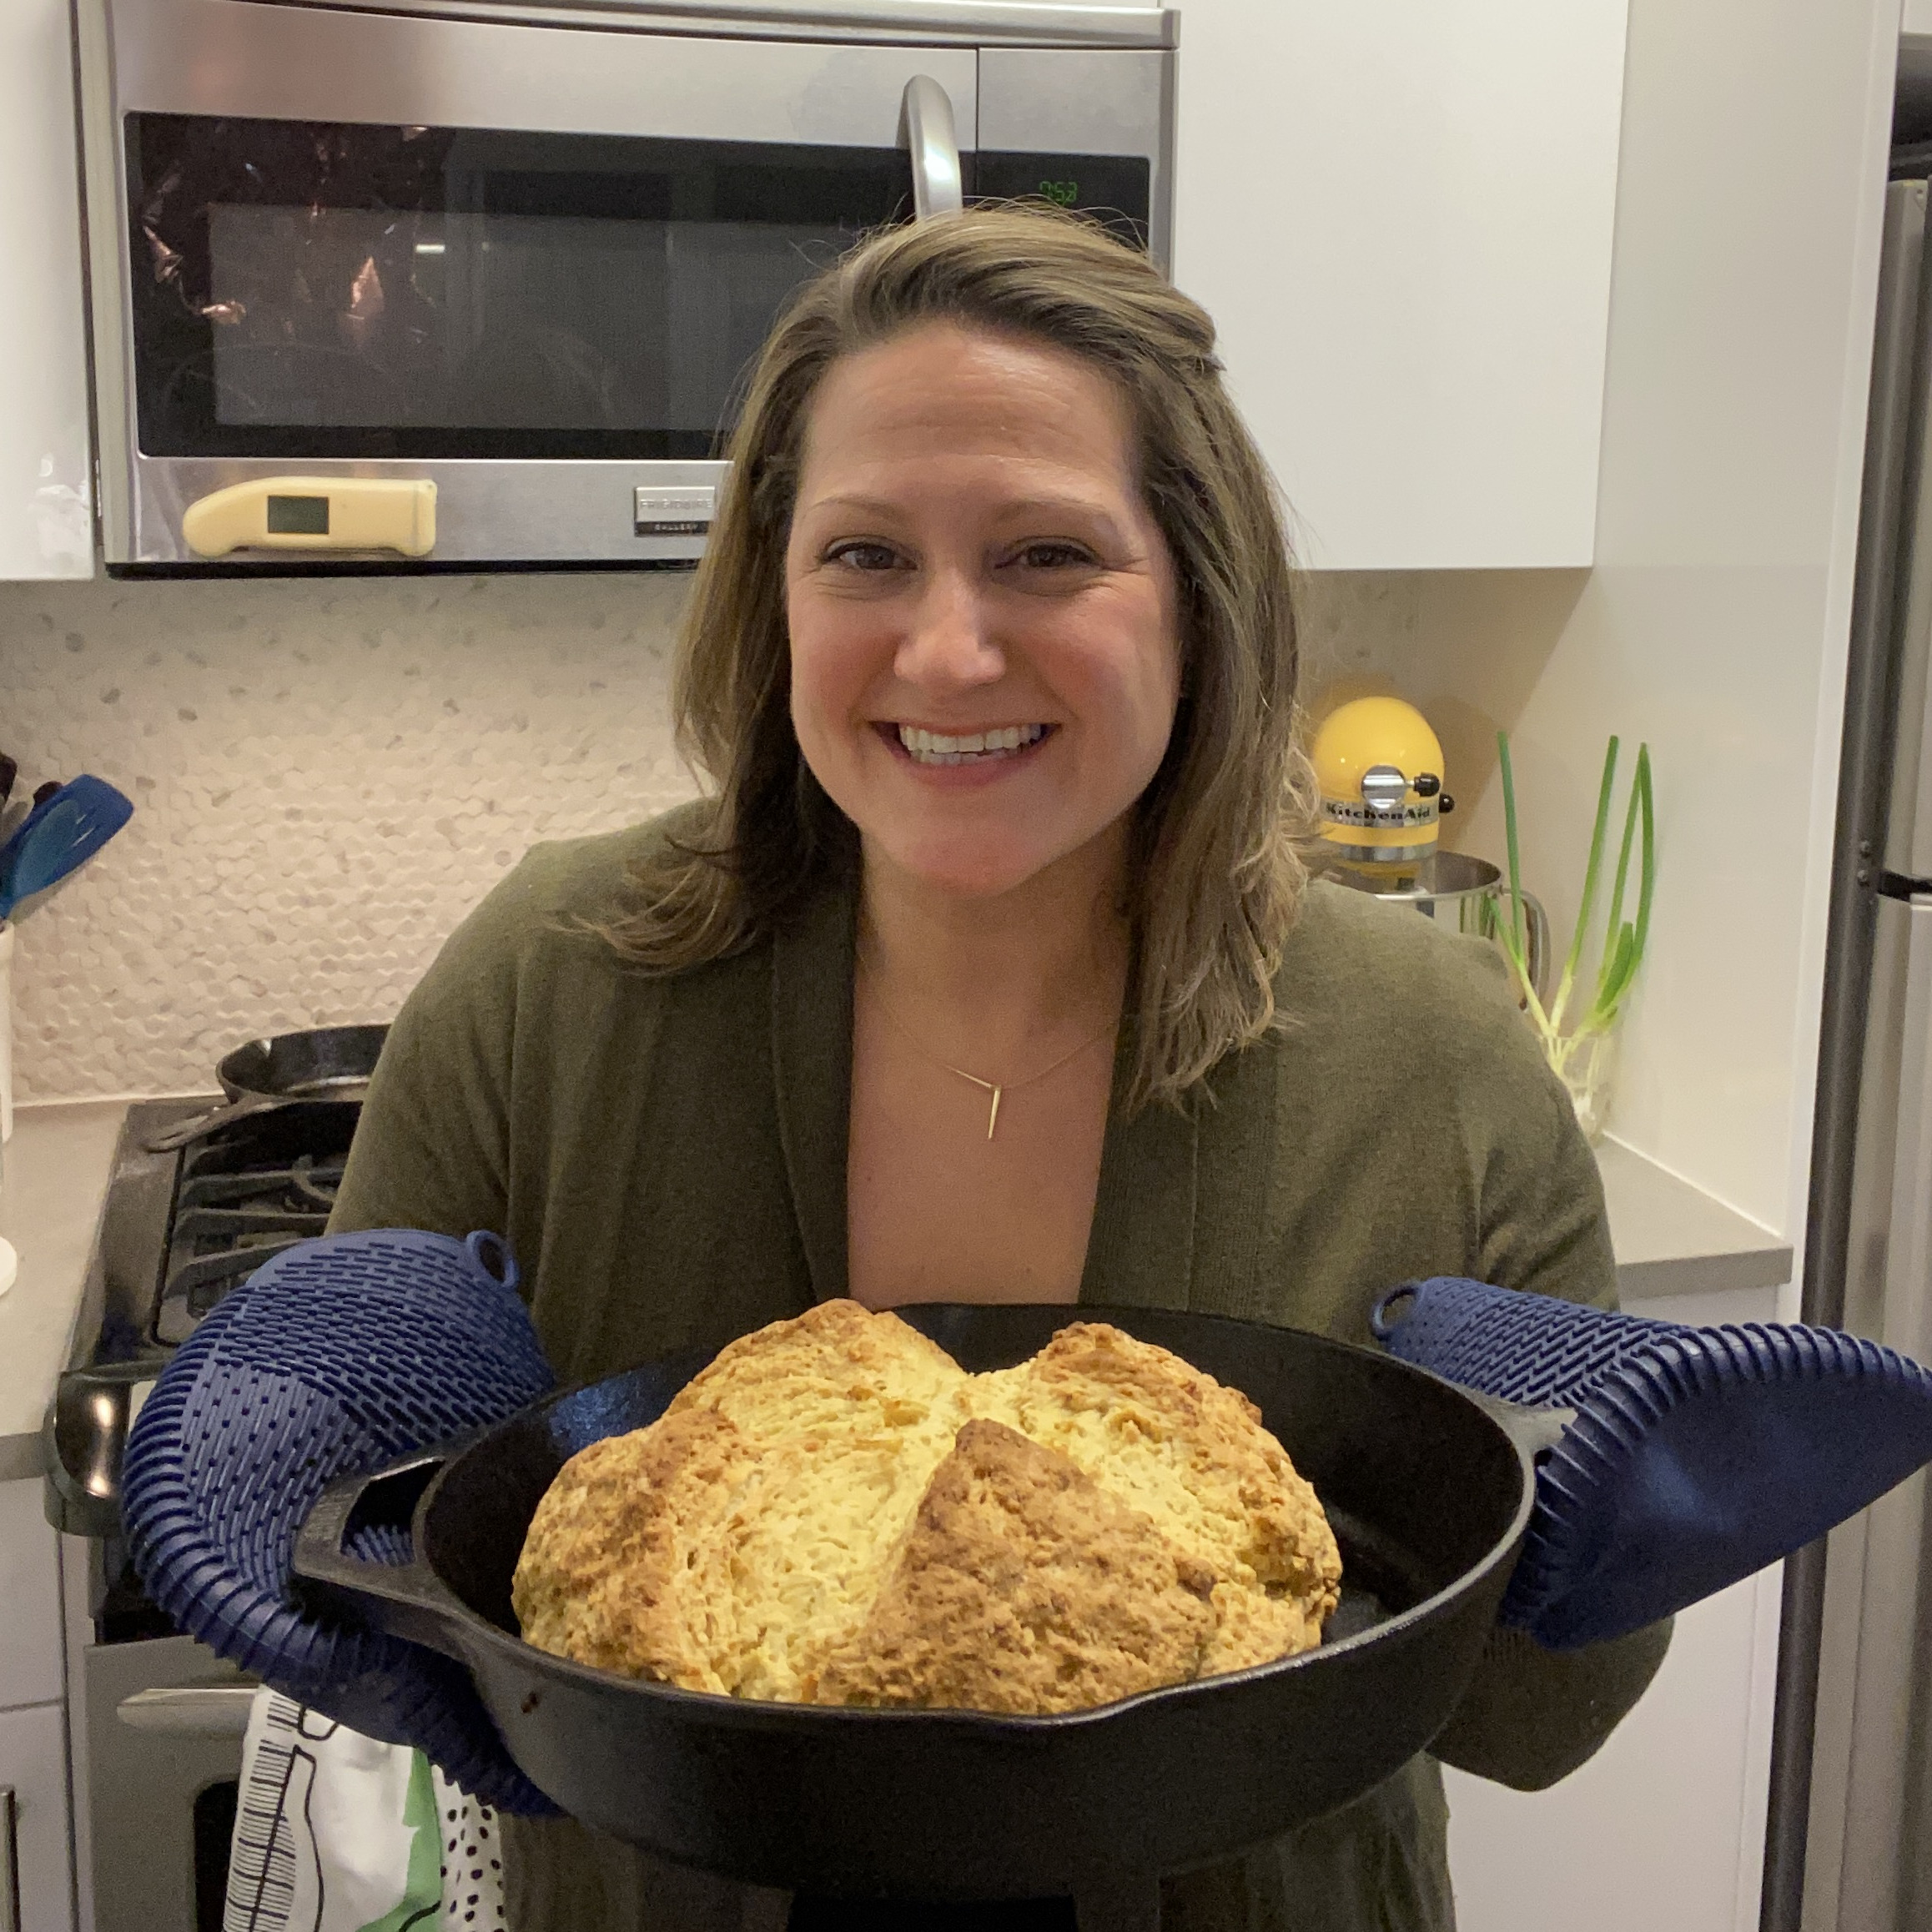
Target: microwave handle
[[927, 122]]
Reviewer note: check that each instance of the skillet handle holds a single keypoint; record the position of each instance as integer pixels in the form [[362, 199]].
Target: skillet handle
[[1535, 1432], [407, 1600], [183, 1131]]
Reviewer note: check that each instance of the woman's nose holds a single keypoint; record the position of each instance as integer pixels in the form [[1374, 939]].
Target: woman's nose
[[948, 639]]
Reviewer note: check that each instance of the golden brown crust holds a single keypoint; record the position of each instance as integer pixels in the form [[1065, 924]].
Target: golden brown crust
[[819, 1368], [1024, 1587], [1191, 1454], [603, 1575], [833, 1510]]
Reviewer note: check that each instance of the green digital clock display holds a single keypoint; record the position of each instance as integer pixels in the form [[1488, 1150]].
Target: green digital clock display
[[1112, 189]]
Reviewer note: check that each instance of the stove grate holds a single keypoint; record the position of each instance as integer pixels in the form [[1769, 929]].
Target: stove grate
[[246, 1192]]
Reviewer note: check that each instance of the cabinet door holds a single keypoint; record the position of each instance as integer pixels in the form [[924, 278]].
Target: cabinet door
[[30, 1668], [33, 1767], [46, 497], [1399, 216]]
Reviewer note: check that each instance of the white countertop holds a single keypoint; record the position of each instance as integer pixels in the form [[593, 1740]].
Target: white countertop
[[1671, 1238], [56, 1170]]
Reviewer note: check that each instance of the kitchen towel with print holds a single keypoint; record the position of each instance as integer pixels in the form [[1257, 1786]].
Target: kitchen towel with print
[[337, 1832]]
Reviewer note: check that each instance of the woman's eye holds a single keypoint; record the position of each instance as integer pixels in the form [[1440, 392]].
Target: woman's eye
[[863, 556], [1054, 555]]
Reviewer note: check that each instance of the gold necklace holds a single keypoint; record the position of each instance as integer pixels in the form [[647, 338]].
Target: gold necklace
[[998, 1089]]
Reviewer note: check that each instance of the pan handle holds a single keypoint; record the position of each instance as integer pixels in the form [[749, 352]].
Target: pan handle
[[1392, 1309], [1535, 1431], [183, 1131], [407, 1600]]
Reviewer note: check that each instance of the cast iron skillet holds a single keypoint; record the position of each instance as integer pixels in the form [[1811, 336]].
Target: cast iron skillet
[[1428, 1490], [324, 1063]]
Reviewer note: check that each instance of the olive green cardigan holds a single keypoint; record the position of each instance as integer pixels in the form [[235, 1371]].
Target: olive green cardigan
[[668, 1157]]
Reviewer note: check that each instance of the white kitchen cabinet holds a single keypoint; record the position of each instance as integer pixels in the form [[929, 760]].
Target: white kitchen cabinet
[[33, 1766], [30, 1660], [45, 489], [1400, 217], [1652, 1832]]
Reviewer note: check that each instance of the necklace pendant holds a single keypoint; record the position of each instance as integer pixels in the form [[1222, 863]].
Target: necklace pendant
[[993, 1118]]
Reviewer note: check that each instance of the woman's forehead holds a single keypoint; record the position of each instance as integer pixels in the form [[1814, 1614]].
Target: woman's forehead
[[945, 393]]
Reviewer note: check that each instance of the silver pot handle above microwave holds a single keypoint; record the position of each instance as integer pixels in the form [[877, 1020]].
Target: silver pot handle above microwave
[[925, 116]]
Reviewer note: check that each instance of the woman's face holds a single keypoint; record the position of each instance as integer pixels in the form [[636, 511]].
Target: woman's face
[[984, 663]]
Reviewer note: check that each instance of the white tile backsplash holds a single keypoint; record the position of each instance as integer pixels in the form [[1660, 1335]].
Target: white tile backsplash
[[327, 773]]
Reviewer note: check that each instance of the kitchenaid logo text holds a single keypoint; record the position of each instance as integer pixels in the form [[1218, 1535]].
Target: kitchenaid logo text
[[1354, 812]]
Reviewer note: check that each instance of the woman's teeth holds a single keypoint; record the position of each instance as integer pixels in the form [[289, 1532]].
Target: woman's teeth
[[937, 748]]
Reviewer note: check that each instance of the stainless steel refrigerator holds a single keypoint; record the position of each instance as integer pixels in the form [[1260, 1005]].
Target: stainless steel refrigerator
[[1850, 1843]]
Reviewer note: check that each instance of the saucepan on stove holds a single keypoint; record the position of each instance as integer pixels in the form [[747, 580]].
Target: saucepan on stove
[[328, 1063], [1428, 1490]]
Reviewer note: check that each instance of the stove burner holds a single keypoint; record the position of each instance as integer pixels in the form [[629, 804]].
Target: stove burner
[[247, 1191]]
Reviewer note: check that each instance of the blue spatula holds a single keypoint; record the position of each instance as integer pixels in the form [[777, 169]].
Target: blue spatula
[[59, 836]]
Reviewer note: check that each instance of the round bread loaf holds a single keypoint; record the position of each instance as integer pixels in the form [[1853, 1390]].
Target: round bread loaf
[[833, 1512]]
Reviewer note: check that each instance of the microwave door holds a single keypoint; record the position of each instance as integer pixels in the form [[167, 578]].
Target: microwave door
[[526, 267]]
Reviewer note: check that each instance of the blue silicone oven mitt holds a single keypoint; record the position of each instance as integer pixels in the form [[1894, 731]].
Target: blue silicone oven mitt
[[336, 1357], [1692, 1456]]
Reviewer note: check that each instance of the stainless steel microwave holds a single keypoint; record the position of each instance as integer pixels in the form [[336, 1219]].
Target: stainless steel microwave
[[473, 282]]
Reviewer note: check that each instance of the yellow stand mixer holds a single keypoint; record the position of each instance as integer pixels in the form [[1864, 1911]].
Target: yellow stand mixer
[[1379, 767]]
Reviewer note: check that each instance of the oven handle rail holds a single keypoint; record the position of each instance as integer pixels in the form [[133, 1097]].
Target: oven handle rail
[[85, 1435], [9, 1860], [192, 1711]]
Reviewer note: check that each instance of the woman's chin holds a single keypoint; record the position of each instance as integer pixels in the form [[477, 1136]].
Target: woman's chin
[[980, 865], [965, 869]]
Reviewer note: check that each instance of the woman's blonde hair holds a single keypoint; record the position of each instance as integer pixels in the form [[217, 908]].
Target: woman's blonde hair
[[1215, 869]]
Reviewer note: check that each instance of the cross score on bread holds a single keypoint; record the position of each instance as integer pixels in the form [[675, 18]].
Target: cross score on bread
[[833, 1512]]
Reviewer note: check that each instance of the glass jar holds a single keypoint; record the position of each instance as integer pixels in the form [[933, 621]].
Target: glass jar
[[1588, 1072]]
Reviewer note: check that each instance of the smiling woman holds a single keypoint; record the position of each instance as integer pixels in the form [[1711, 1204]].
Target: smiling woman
[[988, 970]]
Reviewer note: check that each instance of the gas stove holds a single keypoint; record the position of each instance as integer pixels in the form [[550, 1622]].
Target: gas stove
[[180, 1230], [154, 1720]]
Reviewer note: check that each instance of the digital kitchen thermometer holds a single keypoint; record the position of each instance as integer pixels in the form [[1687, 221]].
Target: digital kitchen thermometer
[[315, 513]]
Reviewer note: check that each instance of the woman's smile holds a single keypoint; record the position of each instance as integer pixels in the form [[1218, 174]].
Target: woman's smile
[[988, 749]]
